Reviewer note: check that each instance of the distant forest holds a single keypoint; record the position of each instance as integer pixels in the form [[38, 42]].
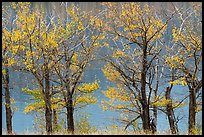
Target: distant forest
[[150, 53]]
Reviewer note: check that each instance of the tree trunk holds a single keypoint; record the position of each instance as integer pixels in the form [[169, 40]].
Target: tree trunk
[[48, 109], [145, 106], [8, 103], [192, 111], [70, 114], [155, 117], [55, 120], [155, 108], [170, 113]]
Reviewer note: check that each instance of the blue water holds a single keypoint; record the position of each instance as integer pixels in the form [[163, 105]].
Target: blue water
[[100, 119]]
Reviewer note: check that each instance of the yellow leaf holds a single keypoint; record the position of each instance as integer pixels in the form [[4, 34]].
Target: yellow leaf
[[11, 61], [3, 71]]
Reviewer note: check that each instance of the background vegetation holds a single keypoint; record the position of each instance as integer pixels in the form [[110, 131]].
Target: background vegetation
[[146, 52]]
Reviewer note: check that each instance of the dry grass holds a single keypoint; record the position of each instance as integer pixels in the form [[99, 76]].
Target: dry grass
[[111, 132]]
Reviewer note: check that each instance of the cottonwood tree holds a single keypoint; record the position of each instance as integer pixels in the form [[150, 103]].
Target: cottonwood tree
[[188, 57], [134, 29], [7, 61], [76, 52], [35, 45], [48, 47]]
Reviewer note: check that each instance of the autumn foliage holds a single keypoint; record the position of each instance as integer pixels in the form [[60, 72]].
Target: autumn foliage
[[144, 53]]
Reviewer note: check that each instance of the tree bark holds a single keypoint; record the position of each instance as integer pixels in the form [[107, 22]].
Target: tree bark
[[8, 103], [155, 117], [145, 106], [55, 120], [155, 108], [170, 112], [192, 111], [70, 114], [48, 109]]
